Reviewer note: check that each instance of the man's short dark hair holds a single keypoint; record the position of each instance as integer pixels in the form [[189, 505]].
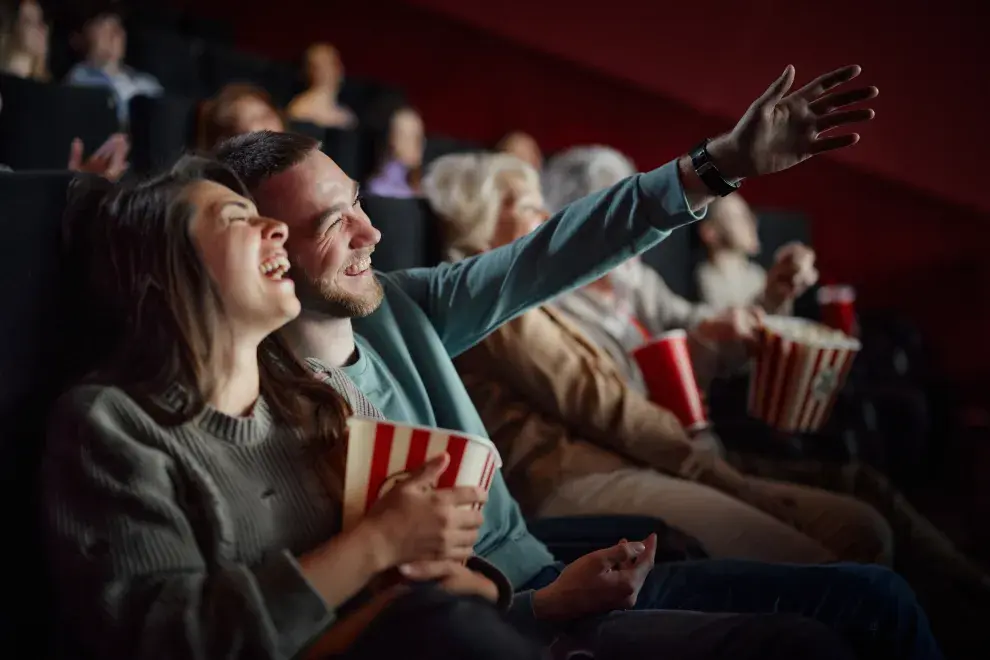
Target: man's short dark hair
[[255, 157]]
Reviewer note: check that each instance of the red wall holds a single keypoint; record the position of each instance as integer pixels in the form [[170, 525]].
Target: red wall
[[717, 55], [907, 247]]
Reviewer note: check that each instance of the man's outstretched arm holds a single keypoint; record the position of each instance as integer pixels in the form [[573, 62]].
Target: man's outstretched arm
[[469, 299]]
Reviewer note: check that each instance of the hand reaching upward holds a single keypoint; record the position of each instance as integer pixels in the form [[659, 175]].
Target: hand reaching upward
[[780, 130]]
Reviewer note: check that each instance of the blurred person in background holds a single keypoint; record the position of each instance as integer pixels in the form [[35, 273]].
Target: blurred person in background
[[319, 104], [399, 143], [101, 40], [730, 277], [23, 40], [524, 147], [578, 440], [632, 304], [625, 309], [24, 53], [237, 109]]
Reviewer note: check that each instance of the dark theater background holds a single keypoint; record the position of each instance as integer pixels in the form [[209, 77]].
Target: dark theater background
[[903, 216]]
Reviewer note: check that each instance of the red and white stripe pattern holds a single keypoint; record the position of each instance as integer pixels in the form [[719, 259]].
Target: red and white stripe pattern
[[794, 384], [380, 454]]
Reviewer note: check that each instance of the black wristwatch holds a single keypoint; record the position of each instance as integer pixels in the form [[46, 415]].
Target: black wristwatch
[[709, 174]]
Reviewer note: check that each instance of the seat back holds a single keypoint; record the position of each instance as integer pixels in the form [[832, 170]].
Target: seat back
[[225, 65], [777, 229], [409, 233], [364, 96], [39, 122], [346, 147], [441, 145], [32, 336], [175, 59], [161, 130]]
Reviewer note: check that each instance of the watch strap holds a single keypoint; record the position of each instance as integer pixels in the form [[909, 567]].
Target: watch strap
[[705, 168]]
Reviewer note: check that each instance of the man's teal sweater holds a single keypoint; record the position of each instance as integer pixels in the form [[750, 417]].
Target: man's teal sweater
[[430, 315]]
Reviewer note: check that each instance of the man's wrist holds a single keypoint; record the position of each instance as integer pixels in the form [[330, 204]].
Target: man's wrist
[[726, 156], [545, 606]]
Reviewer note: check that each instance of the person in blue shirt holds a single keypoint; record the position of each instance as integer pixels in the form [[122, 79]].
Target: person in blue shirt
[[394, 335], [102, 40]]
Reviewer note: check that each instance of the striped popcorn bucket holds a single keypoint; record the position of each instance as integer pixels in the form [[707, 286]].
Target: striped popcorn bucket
[[381, 454], [800, 369]]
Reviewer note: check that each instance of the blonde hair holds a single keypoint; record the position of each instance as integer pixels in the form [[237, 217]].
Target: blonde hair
[[581, 171], [467, 191]]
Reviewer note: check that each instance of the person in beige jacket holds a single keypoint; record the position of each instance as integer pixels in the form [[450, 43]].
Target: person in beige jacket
[[624, 310], [576, 438]]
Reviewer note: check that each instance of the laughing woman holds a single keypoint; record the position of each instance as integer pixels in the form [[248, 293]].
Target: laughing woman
[[190, 506]]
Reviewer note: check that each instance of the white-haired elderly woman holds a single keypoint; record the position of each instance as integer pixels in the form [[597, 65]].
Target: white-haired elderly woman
[[633, 303], [576, 438]]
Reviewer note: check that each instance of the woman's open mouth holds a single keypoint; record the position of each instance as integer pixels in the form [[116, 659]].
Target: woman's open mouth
[[274, 268]]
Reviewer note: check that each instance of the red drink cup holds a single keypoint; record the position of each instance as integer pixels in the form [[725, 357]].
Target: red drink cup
[[666, 367], [381, 454], [838, 305]]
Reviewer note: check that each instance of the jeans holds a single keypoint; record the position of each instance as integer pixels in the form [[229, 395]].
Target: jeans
[[870, 607], [429, 624]]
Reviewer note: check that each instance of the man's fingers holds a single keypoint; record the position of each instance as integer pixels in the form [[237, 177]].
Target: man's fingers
[[461, 539], [646, 559], [822, 145], [466, 519], [621, 553], [430, 471], [828, 81], [831, 102], [463, 495], [778, 88], [650, 548], [836, 119]]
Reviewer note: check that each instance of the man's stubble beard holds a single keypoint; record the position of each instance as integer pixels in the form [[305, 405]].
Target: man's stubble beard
[[320, 295]]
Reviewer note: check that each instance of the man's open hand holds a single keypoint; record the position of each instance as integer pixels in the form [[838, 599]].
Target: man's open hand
[[780, 130], [598, 582]]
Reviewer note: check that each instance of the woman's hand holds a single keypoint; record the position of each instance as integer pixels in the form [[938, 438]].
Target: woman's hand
[[414, 522], [454, 577]]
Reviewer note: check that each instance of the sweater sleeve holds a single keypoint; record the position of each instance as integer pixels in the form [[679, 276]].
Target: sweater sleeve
[[131, 580], [465, 301]]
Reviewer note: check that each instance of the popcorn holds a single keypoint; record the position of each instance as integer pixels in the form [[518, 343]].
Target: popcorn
[[799, 370]]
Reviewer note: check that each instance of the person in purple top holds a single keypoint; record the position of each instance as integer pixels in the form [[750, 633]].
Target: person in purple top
[[400, 156]]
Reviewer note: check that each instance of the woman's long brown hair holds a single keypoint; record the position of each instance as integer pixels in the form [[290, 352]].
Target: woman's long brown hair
[[149, 313]]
